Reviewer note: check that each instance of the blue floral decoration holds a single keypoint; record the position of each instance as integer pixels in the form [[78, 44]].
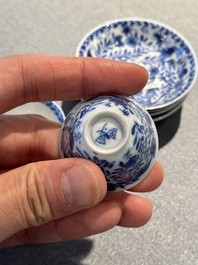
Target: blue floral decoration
[[168, 57], [55, 110], [136, 158]]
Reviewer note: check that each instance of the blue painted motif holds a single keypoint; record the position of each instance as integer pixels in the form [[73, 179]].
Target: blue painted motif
[[106, 135], [56, 111], [167, 56], [138, 154]]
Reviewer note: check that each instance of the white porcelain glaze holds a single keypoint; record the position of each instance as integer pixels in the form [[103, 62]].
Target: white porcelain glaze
[[117, 134]]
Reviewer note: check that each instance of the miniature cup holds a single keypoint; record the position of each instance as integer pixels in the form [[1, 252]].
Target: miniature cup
[[117, 134]]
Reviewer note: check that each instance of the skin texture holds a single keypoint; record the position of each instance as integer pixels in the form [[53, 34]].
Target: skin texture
[[44, 198]]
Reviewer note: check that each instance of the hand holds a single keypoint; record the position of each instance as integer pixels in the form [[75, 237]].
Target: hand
[[44, 198]]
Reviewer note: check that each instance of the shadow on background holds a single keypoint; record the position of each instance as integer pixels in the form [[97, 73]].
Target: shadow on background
[[168, 127], [68, 105], [70, 252]]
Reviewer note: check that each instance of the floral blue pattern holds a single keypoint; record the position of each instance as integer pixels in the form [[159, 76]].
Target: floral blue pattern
[[105, 135], [138, 155], [55, 110], [168, 57]]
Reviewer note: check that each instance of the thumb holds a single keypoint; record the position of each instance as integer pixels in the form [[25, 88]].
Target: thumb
[[37, 193]]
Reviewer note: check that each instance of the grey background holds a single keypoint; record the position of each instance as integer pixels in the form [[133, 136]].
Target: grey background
[[171, 237]]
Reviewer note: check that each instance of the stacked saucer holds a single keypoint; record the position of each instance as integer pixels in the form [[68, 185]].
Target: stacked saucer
[[166, 54], [50, 110]]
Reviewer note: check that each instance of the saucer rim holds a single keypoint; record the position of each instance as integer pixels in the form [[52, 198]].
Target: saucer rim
[[167, 114], [58, 109], [52, 107], [157, 23]]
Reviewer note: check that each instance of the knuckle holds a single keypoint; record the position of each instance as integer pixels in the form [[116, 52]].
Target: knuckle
[[30, 89], [36, 206]]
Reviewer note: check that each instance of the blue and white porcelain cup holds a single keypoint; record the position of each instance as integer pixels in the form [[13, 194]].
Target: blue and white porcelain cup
[[117, 134]]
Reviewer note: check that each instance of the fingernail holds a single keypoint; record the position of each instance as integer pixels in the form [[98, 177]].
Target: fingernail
[[80, 186]]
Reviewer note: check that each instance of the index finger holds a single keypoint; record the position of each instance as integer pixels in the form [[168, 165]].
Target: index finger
[[28, 78]]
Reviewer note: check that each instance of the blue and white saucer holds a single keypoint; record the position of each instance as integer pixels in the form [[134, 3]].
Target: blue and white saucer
[[50, 110], [167, 55]]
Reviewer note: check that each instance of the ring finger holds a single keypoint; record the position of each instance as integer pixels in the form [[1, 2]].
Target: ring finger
[[27, 138]]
